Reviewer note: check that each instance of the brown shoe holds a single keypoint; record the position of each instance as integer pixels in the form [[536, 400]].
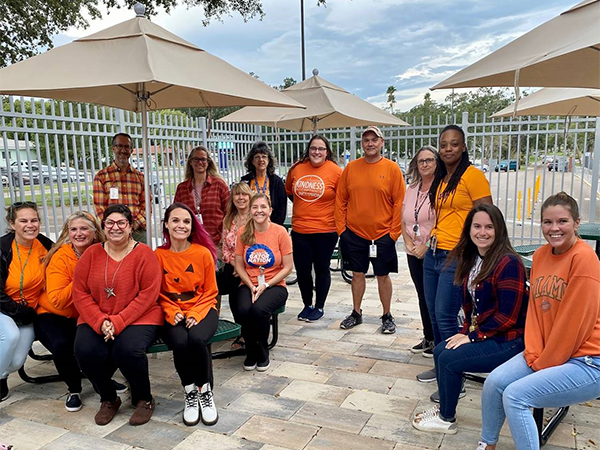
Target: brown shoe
[[107, 411], [143, 412]]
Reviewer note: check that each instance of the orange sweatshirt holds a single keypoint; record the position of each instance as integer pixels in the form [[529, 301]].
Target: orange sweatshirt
[[59, 284], [369, 199], [563, 319], [189, 283]]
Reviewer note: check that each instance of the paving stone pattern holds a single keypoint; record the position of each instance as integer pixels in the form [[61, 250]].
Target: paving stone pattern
[[326, 388]]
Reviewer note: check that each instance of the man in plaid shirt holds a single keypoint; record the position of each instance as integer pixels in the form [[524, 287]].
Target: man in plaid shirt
[[121, 183]]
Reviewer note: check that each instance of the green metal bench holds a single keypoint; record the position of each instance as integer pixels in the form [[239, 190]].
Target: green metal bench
[[527, 250]]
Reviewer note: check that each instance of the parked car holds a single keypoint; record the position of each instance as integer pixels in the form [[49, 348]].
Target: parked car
[[558, 165], [481, 166], [4, 181], [506, 165]]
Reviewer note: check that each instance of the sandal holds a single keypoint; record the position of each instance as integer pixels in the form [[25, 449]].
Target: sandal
[[238, 343]]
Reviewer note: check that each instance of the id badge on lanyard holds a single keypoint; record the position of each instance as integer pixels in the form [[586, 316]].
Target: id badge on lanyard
[[261, 277], [373, 250]]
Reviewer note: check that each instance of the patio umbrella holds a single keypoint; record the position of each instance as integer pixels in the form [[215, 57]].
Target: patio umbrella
[[556, 102], [563, 52], [327, 106], [136, 65]]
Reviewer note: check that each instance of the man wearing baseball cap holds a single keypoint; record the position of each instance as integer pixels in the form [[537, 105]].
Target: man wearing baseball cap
[[368, 220]]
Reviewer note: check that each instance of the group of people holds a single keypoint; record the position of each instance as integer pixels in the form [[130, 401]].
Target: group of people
[[99, 297]]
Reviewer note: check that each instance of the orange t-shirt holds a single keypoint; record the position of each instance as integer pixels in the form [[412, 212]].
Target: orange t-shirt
[[189, 283], [563, 317], [452, 213], [313, 189], [266, 252], [369, 199], [33, 276], [59, 284]]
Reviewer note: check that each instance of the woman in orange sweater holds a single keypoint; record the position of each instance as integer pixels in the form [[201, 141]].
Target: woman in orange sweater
[[56, 322], [561, 362], [188, 298]]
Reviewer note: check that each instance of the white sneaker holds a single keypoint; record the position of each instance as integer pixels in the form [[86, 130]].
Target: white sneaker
[[207, 405], [481, 446], [430, 420], [191, 409]]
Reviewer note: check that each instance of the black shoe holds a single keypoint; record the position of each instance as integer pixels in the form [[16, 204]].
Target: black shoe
[[305, 312], [120, 387], [435, 397], [352, 320], [263, 366], [427, 376], [73, 403], [428, 353], [249, 364], [3, 389], [388, 326], [422, 347], [315, 315]]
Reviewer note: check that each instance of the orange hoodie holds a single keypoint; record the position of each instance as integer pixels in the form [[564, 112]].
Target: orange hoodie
[[59, 284], [563, 319]]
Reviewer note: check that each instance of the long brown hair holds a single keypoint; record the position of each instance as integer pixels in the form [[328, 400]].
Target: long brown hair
[[330, 156], [92, 221], [247, 236], [238, 188], [211, 168], [466, 252]]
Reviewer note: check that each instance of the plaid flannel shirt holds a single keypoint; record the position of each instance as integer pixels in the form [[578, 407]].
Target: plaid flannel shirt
[[130, 184]]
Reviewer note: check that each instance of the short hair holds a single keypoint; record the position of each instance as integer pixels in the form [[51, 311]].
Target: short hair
[[120, 209], [260, 147], [114, 139]]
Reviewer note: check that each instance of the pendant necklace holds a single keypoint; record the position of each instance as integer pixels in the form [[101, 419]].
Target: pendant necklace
[[76, 252], [110, 291], [23, 266]]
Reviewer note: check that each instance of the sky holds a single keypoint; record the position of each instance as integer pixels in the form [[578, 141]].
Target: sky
[[363, 46]]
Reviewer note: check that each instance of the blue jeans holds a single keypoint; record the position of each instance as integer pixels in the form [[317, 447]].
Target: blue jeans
[[15, 342], [443, 298], [480, 357], [514, 387]]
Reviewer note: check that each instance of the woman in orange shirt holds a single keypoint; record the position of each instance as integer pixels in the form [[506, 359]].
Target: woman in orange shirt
[[311, 184], [56, 323], [188, 298], [263, 258], [21, 286]]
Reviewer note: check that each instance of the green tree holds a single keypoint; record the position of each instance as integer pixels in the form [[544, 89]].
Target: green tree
[[391, 98], [27, 26], [287, 82]]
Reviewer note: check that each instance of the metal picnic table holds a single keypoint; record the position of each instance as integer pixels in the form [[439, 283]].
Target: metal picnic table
[[591, 232]]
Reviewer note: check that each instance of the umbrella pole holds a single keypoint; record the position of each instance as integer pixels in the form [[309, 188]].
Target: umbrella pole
[[142, 96]]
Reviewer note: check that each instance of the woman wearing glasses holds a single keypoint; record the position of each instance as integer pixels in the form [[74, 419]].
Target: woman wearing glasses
[[311, 184], [418, 218], [204, 192], [115, 289], [261, 178], [56, 323], [22, 251]]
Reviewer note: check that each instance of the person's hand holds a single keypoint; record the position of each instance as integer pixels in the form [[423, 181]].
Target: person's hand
[[108, 329], [178, 318], [457, 340], [259, 290], [190, 322], [419, 251]]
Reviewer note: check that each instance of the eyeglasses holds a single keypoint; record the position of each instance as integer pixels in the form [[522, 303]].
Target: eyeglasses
[[317, 149], [195, 160], [427, 161], [122, 147], [119, 223]]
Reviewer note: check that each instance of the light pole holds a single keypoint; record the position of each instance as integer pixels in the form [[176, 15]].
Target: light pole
[[302, 38]]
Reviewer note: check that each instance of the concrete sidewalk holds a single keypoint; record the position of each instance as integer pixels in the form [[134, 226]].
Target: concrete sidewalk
[[327, 388]]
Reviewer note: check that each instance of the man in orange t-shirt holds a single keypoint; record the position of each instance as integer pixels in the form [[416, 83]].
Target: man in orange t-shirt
[[368, 219]]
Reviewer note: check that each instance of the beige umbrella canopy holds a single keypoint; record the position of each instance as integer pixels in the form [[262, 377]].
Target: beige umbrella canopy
[[563, 52], [556, 102], [137, 65], [327, 106]]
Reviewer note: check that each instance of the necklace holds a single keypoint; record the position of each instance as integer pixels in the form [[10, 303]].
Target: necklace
[[76, 251], [23, 268], [241, 220], [110, 291]]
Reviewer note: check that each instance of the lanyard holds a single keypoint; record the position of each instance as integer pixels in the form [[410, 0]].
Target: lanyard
[[418, 207], [198, 197], [264, 188], [23, 266]]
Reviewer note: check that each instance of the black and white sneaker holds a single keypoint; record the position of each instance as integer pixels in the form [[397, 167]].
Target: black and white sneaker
[[207, 406], [191, 408], [3, 389], [422, 346], [435, 397], [388, 326], [427, 376], [352, 320], [73, 403], [120, 387]]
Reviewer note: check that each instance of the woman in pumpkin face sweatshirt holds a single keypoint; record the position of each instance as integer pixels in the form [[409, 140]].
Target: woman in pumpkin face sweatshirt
[[561, 362]]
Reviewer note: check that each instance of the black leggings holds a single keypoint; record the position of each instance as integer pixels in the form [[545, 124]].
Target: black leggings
[[127, 351], [316, 249], [415, 266], [254, 318], [57, 334], [191, 354]]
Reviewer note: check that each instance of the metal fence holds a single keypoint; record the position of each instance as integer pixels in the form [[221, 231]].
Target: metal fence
[[50, 151]]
